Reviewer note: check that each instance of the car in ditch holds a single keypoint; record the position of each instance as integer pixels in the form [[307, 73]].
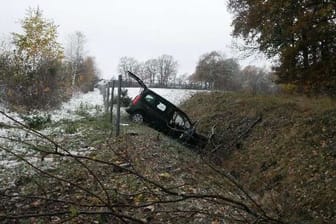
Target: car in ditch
[[153, 109]]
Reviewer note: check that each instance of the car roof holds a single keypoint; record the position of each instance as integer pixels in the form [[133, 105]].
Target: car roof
[[148, 91]]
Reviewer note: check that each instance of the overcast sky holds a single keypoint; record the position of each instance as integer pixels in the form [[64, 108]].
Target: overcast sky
[[142, 29]]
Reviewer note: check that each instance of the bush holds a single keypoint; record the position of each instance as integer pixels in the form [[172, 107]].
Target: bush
[[37, 121], [125, 100], [44, 88], [71, 128], [83, 110], [31, 67], [289, 88]]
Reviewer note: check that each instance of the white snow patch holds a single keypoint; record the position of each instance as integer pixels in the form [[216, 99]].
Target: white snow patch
[[91, 103], [175, 96]]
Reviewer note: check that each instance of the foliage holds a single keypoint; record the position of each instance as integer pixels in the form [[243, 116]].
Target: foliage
[[257, 80], [34, 75], [38, 43], [289, 88], [44, 88], [301, 34], [125, 100], [37, 121], [71, 127], [83, 109], [217, 72], [88, 75]]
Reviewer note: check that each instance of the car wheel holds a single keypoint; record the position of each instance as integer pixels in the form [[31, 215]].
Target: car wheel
[[137, 118]]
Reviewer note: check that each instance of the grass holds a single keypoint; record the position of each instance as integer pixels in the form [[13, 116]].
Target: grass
[[286, 162], [287, 158], [152, 155]]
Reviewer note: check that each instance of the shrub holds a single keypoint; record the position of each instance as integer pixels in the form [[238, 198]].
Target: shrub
[[70, 128], [125, 100], [288, 88], [83, 109], [37, 121]]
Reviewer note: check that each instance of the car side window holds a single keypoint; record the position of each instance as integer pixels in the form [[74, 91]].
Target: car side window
[[150, 99], [161, 106]]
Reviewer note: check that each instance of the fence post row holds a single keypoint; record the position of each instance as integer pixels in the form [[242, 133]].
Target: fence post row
[[108, 102]]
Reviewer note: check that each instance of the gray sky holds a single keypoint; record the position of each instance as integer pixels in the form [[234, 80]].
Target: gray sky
[[142, 29]]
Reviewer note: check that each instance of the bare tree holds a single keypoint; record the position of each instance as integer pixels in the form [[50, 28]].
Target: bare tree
[[75, 53], [128, 64], [257, 80], [182, 79], [151, 69], [167, 69]]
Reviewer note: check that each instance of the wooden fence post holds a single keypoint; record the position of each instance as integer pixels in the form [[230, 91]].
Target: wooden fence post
[[107, 97], [118, 107], [112, 98]]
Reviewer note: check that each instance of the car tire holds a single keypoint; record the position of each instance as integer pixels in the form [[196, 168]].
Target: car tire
[[137, 118]]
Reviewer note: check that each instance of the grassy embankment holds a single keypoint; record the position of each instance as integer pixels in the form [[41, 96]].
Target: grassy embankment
[[288, 158]]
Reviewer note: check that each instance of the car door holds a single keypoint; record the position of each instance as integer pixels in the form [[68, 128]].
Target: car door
[[136, 78], [156, 109], [180, 121]]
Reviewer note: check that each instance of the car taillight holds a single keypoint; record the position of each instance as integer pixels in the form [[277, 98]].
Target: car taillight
[[136, 100]]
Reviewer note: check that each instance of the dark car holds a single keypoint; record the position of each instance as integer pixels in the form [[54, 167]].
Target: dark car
[[151, 108]]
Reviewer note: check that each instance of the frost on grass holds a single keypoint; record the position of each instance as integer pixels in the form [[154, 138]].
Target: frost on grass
[[91, 103], [16, 142], [19, 146]]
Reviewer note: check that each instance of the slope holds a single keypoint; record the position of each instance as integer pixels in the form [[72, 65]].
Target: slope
[[281, 148]]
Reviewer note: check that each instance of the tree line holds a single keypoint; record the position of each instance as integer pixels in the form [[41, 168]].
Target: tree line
[[299, 35], [36, 71], [215, 71], [161, 70]]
